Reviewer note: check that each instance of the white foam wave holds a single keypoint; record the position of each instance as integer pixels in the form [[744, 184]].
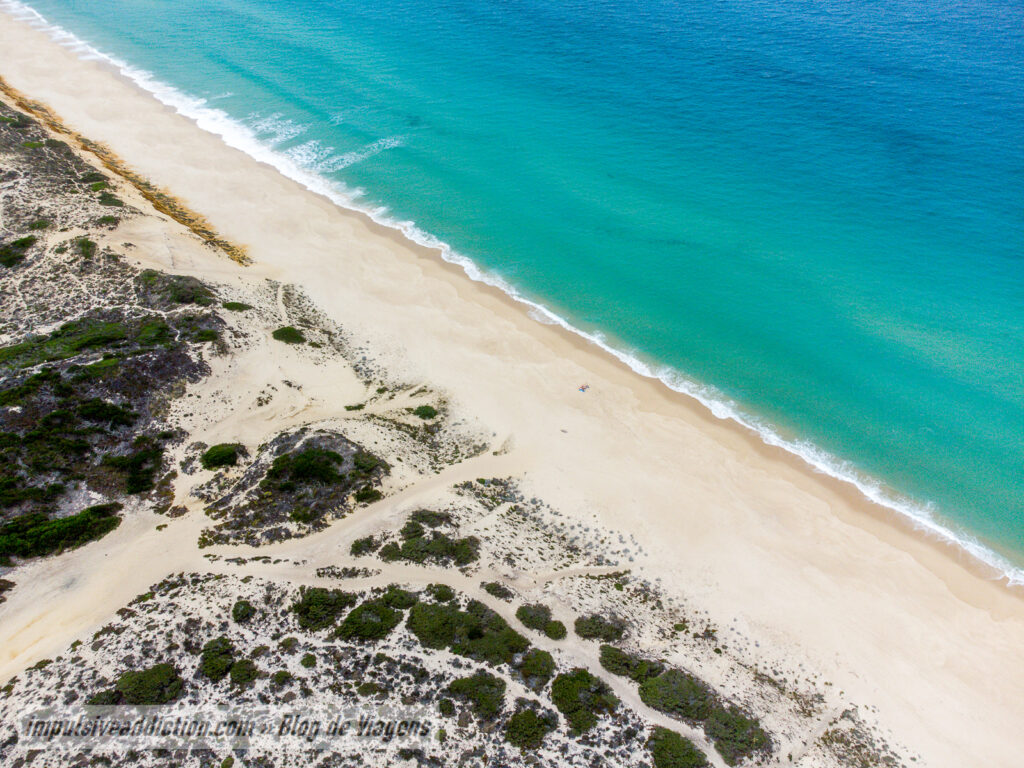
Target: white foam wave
[[304, 164]]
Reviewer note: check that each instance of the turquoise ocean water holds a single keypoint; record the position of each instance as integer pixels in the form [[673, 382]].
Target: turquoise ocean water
[[810, 214]]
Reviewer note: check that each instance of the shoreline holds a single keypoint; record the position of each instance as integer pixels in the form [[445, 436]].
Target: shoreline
[[838, 476], [854, 586]]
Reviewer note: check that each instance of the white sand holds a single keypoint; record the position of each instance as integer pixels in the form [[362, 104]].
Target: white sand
[[812, 572]]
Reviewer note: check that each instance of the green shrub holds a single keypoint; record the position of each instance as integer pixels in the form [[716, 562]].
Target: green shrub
[[442, 593], [735, 735], [446, 707], [425, 412], [205, 335], [39, 224], [677, 693], [34, 535], [236, 306], [430, 518], [597, 627], [310, 465], [243, 672], [399, 598], [318, 608], [526, 729], [13, 252], [499, 591], [86, 247], [411, 530], [534, 616], [484, 691], [365, 461], [108, 221], [217, 658], [372, 620], [638, 669], [368, 494], [220, 455], [308, 661], [536, 667], [242, 611], [106, 198], [281, 678], [555, 630], [581, 697], [437, 547], [363, 546], [289, 335], [478, 632], [670, 750], [98, 186], [158, 684]]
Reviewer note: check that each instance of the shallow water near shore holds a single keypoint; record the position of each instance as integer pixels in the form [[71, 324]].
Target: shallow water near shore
[[815, 213]]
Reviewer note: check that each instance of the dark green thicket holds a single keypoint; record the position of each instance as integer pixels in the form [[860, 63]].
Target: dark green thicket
[[499, 591], [678, 694], [670, 750], [526, 729], [618, 662], [243, 672], [162, 290], [478, 632], [217, 657], [581, 697], [396, 597], [13, 252], [364, 546], [597, 627], [34, 535], [735, 735], [220, 455], [484, 691], [419, 547], [442, 593], [425, 412], [536, 667], [310, 465], [318, 608], [289, 335], [242, 611], [538, 617], [371, 620], [158, 684]]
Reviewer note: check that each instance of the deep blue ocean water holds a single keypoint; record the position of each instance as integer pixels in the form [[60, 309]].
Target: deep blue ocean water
[[813, 211]]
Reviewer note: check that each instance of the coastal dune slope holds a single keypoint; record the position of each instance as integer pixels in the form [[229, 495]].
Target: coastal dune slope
[[797, 566]]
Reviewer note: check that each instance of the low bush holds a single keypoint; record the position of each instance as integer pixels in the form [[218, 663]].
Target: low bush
[[677, 693], [364, 546], [220, 455], [399, 598], [317, 608], [158, 684], [242, 611], [638, 669], [139, 466], [735, 735], [538, 617], [425, 412], [368, 494], [536, 667], [35, 535], [243, 672], [430, 518], [370, 621], [526, 729], [437, 547], [670, 750], [308, 661], [236, 306], [597, 627], [289, 335], [484, 691], [217, 658], [555, 630], [442, 593], [310, 465], [581, 697], [478, 632], [499, 591]]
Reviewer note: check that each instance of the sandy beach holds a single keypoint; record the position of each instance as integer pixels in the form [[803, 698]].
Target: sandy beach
[[809, 575]]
